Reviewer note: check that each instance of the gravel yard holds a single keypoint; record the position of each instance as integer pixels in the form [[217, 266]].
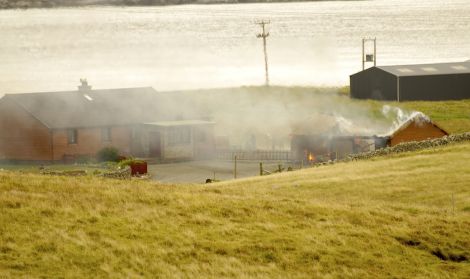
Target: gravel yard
[[199, 171]]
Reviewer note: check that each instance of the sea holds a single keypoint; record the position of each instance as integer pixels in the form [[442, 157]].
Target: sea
[[215, 46]]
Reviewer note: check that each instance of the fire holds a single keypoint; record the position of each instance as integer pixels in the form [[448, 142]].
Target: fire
[[311, 158]]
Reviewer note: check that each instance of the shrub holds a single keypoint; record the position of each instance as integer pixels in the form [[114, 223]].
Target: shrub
[[108, 154]]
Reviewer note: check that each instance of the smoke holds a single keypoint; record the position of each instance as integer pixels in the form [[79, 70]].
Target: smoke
[[246, 118], [267, 118], [400, 116]]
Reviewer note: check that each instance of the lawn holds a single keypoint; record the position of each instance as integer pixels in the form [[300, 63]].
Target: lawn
[[403, 216]]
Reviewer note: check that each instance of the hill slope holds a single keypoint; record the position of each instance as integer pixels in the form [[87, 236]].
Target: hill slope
[[388, 217]]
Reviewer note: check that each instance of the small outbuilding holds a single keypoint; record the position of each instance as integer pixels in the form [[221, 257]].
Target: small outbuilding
[[322, 138], [416, 128], [433, 82]]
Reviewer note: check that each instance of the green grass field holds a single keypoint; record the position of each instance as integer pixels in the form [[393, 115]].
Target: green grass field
[[404, 216], [453, 116]]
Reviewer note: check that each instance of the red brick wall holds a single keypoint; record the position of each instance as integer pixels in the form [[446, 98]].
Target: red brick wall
[[89, 142], [22, 136], [417, 132]]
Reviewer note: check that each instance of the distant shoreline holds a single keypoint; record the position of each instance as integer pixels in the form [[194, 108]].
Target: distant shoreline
[[31, 4]]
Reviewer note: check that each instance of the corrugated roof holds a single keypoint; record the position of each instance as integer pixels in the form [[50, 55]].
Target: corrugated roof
[[107, 107], [428, 69]]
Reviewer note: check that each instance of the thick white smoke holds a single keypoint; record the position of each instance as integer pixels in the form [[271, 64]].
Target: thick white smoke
[[400, 116]]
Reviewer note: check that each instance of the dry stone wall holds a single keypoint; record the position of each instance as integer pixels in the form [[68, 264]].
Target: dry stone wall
[[411, 146]]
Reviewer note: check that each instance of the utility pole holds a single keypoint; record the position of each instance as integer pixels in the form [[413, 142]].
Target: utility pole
[[264, 35]]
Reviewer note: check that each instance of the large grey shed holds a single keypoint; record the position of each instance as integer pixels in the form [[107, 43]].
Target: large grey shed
[[442, 81]]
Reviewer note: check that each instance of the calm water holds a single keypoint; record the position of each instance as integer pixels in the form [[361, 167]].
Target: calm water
[[316, 43]]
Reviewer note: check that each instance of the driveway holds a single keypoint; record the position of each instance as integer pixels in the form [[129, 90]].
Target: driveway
[[199, 171]]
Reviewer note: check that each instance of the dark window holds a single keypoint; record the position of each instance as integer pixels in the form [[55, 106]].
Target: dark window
[[72, 136], [106, 134], [179, 136]]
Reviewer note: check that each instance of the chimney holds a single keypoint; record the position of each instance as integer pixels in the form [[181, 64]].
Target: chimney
[[84, 85]]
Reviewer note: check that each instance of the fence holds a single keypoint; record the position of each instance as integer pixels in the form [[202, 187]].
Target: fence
[[258, 155]]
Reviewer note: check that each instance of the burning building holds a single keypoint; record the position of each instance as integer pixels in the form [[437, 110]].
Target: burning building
[[320, 145], [323, 137]]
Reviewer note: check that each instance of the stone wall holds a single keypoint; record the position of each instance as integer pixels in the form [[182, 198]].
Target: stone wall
[[411, 146]]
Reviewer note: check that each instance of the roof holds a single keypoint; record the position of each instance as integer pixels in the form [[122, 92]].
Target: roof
[[428, 69], [180, 123], [416, 117], [85, 108]]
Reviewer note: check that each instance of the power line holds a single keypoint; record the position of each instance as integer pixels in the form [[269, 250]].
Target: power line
[[264, 35]]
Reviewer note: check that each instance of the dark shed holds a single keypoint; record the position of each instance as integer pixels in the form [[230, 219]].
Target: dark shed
[[443, 81]]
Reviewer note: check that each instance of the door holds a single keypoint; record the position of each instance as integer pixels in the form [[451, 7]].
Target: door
[[155, 148]]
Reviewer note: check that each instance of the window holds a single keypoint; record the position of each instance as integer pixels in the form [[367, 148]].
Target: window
[[179, 135], [106, 134], [72, 136], [88, 97]]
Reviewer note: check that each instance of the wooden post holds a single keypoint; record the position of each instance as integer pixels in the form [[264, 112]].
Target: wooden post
[[261, 168], [235, 168], [279, 167]]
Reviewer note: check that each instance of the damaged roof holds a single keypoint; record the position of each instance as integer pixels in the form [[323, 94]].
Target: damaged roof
[[428, 69], [86, 108]]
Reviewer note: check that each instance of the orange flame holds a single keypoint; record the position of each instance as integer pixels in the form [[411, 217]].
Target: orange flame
[[311, 158]]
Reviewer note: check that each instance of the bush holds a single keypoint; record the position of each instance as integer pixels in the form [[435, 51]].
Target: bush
[[108, 154]]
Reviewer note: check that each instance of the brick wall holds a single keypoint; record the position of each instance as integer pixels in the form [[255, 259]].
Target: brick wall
[[22, 136], [89, 141]]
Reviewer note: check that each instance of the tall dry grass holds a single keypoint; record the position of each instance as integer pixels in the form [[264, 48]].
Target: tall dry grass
[[391, 217]]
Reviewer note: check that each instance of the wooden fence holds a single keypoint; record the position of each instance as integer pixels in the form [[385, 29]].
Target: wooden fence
[[256, 155]]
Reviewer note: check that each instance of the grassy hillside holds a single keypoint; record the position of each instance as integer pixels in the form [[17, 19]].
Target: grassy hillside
[[391, 217], [453, 116]]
